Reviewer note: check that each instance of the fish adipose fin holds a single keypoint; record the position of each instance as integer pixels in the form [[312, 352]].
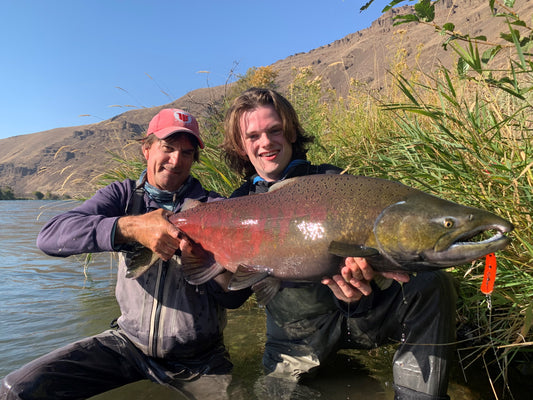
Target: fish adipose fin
[[343, 249], [246, 276]]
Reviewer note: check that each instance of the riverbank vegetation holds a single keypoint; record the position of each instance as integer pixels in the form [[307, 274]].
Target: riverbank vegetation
[[7, 194], [463, 134]]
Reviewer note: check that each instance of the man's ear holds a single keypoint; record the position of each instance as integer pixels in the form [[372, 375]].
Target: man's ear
[[242, 153], [292, 138], [240, 149], [145, 151]]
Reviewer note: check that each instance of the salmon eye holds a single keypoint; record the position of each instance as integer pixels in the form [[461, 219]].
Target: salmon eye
[[448, 223]]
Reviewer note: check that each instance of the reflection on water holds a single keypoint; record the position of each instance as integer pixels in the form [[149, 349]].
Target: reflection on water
[[47, 302]]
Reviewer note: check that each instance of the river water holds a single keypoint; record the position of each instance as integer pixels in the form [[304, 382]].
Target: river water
[[47, 302]]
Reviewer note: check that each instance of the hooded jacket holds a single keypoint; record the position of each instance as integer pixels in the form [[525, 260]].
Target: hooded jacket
[[162, 314]]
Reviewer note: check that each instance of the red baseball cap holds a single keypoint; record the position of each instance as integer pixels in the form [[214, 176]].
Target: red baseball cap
[[172, 120]]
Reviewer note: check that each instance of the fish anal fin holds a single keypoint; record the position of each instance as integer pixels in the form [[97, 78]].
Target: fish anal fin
[[200, 270], [266, 289], [344, 249], [200, 275], [247, 275]]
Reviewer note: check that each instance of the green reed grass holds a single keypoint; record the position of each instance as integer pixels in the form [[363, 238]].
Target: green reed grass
[[452, 139], [464, 135]]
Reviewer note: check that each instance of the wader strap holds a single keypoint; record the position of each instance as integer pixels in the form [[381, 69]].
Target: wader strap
[[134, 206], [135, 202]]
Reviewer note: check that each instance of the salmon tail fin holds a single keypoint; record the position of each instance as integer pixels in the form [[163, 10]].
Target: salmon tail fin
[[139, 261], [266, 289], [246, 276], [199, 271]]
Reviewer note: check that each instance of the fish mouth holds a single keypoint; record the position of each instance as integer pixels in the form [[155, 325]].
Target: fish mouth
[[471, 245]]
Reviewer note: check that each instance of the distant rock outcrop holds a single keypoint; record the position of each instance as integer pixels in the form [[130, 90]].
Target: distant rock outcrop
[[68, 161]]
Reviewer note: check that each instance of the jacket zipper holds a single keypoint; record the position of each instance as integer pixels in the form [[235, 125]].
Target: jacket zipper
[[156, 309]]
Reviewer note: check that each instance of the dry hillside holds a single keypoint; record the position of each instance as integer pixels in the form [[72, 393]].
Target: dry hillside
[[69, 160]]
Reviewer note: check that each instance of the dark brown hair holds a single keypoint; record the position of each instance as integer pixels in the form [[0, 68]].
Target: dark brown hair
[[248, 101]]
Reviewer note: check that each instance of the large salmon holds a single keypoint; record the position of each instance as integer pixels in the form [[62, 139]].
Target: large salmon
[[302, 227]]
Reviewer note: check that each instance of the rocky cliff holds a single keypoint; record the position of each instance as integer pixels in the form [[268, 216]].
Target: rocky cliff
[[68, 161]]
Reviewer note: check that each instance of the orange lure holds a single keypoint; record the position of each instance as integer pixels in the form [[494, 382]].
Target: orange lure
[[490, 274]]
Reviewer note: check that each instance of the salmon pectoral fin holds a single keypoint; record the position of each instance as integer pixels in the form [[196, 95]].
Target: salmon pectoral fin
[[197, 273], [266, 289], [246, 276], [343, 249]]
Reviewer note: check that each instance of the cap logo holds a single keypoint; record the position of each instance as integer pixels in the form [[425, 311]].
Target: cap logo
[[185, 118]]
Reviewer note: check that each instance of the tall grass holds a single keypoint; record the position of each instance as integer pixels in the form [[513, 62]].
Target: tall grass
[[453, 140], [464, 135]]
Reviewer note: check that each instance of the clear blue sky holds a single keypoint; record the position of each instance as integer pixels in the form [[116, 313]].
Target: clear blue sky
[[63, 59]]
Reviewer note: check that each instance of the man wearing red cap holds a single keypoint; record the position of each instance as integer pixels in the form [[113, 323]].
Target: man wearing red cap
[[169, 331]]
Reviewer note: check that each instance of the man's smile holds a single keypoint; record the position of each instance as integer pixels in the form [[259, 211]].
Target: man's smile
[[270, 154]]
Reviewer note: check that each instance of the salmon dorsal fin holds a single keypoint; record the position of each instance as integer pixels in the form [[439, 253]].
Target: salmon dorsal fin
[[280, 184], [189, 203]]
